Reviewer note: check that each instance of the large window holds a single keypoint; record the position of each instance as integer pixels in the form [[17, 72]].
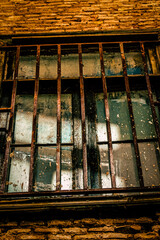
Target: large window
[[80, 117]]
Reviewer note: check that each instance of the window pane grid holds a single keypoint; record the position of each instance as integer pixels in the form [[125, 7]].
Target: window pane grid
[[59, 143]]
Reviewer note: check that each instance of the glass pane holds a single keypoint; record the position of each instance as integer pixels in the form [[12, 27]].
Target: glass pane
[[91, 61], [66, 119], [23, 119], [19, 170], [2, 64], [101, 118], [45, 169], [47, 119], [142, 115], [69, 62], [125, 165], [149, 154], [9, 64], [133, 59], [48, 63], [112, 60], [105, 166], [27, 63], [66, 168], [119, 116], [153, 60]]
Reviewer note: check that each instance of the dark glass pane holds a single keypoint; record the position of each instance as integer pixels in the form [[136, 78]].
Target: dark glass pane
[[48, 63], [69, 62], [142, 115], [112, 60], [19, 169], [66, 119], [45, 169], [8, 62], [27, 63], [149, 154]]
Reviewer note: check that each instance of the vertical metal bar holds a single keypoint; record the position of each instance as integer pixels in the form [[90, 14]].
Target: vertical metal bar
[[58, 153], [131, 116], [155, 119], [11, 120], [84, 143], [34, 123], [110, 147]]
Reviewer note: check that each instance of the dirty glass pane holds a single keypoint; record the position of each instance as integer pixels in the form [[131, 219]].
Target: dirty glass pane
[[91, 61], [133, 58], [47, 119], [142, 115], [69, 62], [149, 154], [27, 63], [125, 165], [23, 119], [66, 119], [101, 118], [66, 168], [8, 62], [48, 63], [119, 116], [104, 166], [45, 169], [112, 60], [19, 169]]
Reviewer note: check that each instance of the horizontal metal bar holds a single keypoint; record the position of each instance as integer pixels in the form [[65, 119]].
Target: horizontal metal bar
[[5, 109], [129, 141], [71, 44], [82, 191]]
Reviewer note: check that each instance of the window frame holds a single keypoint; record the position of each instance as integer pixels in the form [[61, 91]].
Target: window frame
[[85, 190]]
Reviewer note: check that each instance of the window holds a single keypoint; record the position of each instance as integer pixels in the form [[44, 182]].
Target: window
[[80, 117]]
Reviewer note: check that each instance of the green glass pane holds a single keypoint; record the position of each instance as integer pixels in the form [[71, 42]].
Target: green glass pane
[[19, 170], [70, 65], [142, 115], [91, 64], [119, 116], [66, 168]]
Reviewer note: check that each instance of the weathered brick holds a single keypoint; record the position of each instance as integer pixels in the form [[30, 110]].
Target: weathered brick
[[59, 223], [8, 224], [88, 236], [146, 236], [140, 220], [27, 223], [19, 230], [101, 229], [156, 228], [116, 236], [32, 237], [47, 230], [75, 230], [59, 237]]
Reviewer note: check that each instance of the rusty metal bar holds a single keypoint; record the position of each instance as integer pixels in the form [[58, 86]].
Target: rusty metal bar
[[84, 143], [82, 191], [34, 123], [5, 109], [58, 153], [84, 43], [131, 116], [11, 120], [106, 104], [155, 119]]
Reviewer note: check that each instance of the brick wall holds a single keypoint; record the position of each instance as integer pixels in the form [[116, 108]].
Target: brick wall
[[67, 16], [74, 226]]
